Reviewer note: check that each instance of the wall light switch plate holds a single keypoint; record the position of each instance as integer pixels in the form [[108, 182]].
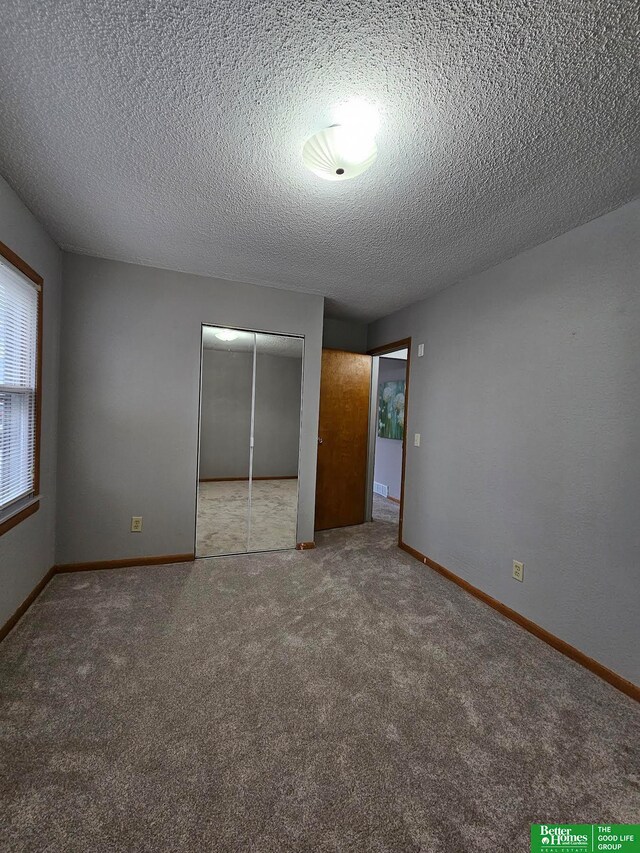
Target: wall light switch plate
[[420, 350], [136, 523], [518, 571], [416, 440]]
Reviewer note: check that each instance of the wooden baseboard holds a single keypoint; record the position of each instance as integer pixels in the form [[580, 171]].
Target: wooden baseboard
[[305, 546], [608, 675], [26, 604], [395, 500], [244, 479], [126, 563]]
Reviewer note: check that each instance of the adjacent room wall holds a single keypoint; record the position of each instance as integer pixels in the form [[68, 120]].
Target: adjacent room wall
[[226, 415], [347, 335], [277, 416], [388, 455], [27, 551], [528, 403], [130, 367], [225, 419]]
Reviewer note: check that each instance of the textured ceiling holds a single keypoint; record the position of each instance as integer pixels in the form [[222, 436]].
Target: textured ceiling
[[169, 132]]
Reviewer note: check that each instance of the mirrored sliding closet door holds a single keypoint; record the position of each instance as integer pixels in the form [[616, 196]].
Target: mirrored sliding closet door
[[250, 406]]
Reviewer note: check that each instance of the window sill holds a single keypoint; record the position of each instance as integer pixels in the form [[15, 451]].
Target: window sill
[[19, 515]]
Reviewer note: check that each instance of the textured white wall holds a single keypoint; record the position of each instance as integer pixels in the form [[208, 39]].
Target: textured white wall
[[130, 367], [27, 550], [528, 402]]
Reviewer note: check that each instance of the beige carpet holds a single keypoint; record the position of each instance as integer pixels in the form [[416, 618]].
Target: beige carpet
[[341, 700], [226, 526], [385, 510]]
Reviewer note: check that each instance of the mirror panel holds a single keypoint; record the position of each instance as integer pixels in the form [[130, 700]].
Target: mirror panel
[[250, 409], [276, 446], [222, 525]]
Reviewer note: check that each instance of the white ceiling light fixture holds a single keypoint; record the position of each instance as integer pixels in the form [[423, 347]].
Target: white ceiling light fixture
[[226, 335], [345, 149]]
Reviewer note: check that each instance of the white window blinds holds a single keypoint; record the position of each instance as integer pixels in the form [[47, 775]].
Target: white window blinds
[[18, 359]]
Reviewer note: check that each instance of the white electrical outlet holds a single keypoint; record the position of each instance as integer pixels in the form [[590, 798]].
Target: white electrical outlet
[[518, 571], [420, 350], [416, 440], [136, 523]]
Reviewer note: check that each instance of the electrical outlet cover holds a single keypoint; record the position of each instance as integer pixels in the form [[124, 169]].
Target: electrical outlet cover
[[518, 570]]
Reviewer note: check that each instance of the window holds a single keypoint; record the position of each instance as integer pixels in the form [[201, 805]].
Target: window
[[20, 334]]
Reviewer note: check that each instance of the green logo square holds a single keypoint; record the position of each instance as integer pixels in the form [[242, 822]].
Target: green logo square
[[585, 838]]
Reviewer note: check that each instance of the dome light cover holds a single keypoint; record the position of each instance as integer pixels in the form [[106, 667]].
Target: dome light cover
[[340, 152], [226, 335]]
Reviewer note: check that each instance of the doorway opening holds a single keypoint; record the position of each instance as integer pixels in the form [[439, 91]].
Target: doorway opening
[[387, 441], [249, 443]]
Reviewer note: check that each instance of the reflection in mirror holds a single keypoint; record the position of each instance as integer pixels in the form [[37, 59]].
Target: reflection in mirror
[[225, 430], [249, 441], [274, 488]]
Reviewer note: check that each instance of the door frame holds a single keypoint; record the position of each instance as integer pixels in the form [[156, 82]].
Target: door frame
[[404, 343]]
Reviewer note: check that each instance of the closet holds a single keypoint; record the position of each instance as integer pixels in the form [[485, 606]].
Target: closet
[[250, 411]]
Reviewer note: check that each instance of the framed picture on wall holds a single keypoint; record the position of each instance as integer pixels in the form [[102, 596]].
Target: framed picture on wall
[[391, 410]]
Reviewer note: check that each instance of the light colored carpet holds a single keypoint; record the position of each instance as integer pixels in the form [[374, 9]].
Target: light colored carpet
[[385, 510], [223, 517], [341, 699]]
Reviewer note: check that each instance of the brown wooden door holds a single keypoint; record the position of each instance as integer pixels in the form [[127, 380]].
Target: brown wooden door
[[342, 439]]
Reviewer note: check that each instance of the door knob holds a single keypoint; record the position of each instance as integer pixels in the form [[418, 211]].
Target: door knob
[[320, 441]]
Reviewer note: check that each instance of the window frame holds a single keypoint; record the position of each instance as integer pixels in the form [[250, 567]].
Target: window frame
[[12, 516]]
